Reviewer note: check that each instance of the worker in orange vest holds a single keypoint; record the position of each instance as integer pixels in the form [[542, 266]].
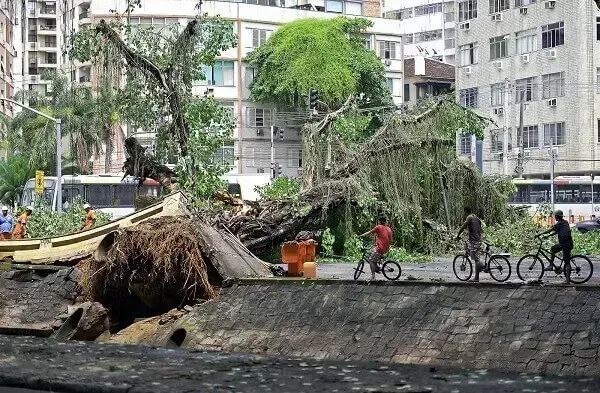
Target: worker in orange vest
[[90, 217], [21, 227]]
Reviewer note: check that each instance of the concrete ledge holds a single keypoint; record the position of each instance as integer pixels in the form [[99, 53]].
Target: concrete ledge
[[382, 283], [27, 330]]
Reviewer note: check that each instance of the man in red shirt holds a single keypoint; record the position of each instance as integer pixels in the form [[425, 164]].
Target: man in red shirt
[[383, 235]]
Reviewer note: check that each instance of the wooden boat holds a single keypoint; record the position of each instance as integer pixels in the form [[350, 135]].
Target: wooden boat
[[70, 248]]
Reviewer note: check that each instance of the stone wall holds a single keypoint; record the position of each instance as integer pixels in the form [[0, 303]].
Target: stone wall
[[549, 329], [29, 302]]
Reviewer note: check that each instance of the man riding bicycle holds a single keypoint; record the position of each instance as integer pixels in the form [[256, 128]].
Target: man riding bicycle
[[383, 234], [565, 242]]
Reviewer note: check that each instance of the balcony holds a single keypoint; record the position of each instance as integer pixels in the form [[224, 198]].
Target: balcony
[[49, 12], [47, 29], [85, 18]]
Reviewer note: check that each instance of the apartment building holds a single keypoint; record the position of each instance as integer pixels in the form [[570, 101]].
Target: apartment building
[[427, 27], [36, 43], [541, 56], [228, 80], [8, 12], [425, 78]]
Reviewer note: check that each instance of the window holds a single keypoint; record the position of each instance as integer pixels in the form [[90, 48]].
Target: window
[[598, 130], [598, 28], [225, 155], [498, 47], [429, 36], [553, 85], [498, 94], [249, 77], [530, 136], [259, 37], [553, 35], [408, 39], [406, 92], [99, 195], [124, 195], [468, 54], [598, 80], [258, 117], [335, 6], [526, 41], [387, 49], [523, 3], [499, 6], [468, 97], [554, 132], [497, 140], [220, 74], [390, 84], [428, 9], [353, 8], [465, 145], [467, 10], [294, 158], [525, 90]]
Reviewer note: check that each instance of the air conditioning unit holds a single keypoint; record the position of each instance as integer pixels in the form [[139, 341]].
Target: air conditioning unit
[[550, 5], [498, 65], [551, 103], [497, 17], [523, 11], [464, 26], [525, 58], [388, 63], [527, 154], [467, 70], [260, 132], [551, 54], [498, 111]]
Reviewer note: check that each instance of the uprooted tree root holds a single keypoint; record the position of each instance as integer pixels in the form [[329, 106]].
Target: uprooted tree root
[[150, 269]]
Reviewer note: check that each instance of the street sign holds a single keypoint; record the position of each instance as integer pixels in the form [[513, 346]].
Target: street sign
[[39, 182]]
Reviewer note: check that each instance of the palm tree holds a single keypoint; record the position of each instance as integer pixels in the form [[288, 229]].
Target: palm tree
[[14, 173], [35, 137]]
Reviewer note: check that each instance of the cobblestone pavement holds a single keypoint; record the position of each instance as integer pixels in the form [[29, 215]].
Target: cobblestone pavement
[[73, 367], [440, 268]]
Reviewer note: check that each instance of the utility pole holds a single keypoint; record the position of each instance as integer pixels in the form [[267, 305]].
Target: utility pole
[[552, 174], [272, 153], [505, 135], [521, 155]]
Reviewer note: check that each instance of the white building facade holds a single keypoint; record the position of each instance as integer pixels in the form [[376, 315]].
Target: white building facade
[[545, 55], [428, 27], [229, 78]]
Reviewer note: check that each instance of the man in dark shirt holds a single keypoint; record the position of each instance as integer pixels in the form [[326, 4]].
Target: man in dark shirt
[[473, 226], [383, 234], [565, 242]]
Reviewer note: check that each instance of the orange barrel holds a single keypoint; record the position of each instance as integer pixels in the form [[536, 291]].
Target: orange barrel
[[571, 219], [302, 249], [290, 254], [310, 269], [580, 218], [551, 221]]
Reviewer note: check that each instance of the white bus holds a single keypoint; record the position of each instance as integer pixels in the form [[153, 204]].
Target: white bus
[[572, 194], [106, 193]]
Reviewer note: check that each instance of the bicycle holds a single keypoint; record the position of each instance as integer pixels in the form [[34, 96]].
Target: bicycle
[[497, 265], [390, 269], [528, 267]]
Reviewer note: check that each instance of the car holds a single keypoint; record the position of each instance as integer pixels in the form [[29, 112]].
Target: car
[[588, 226]]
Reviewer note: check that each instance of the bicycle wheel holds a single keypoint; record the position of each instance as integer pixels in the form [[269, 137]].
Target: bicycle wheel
[[391, 270], [462, 266], [530, 267], [581, 269], [359, 269], [499, 268]]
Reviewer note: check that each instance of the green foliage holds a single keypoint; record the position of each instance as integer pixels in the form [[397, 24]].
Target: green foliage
[[282, 188], [326, 240], [14, 173], [401, 255], [45, 223], [352, 128], [353, 247], [324, 54], [211, 127], [586, 243]]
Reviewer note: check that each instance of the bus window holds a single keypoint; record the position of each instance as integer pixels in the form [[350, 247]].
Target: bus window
[[99, 195], [567, 194], [69, 193], [29, 193], [539, 193], [153, 191], [124, 195]]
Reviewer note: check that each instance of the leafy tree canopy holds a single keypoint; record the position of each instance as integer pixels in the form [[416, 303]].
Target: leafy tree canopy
[[324, 54], [14, 173]]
